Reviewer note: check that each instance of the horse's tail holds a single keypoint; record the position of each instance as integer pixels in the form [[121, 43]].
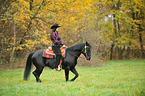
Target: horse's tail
[[28, 66]]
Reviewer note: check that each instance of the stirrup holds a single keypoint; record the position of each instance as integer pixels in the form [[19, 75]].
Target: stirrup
[[58, 69]]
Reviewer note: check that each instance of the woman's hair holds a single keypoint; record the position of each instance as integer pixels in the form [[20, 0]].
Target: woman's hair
[[53, 30]]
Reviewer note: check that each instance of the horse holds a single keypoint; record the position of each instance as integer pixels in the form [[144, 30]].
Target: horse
[[68, 62]]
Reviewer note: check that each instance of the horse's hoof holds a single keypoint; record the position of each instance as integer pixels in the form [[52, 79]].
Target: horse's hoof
[[25, 79], [39, 81], [71, 80]]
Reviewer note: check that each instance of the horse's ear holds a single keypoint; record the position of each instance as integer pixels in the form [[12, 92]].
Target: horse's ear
[[87, 43]]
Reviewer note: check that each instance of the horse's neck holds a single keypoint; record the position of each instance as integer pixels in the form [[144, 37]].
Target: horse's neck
[[77, 47], [76, 51]]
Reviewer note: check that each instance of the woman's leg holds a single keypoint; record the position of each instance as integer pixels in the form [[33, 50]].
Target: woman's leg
[[56, 50]]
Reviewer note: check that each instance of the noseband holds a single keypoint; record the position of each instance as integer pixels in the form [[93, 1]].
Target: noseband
[[85, 48]]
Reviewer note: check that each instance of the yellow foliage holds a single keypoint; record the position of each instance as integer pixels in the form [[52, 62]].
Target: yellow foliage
[[80, 20]]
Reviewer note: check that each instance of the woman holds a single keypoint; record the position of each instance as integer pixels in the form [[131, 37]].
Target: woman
[[56, 44]]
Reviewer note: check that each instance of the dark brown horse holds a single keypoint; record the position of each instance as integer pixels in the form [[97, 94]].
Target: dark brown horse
[[68, 63]]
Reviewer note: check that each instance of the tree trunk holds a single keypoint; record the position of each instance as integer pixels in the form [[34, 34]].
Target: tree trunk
[[114, 23], [29, 25], [85, 33], [120, 52], [139, 32], [2, 45], [114, 38], [127, 53], [141, 41], [111, 54], [31, 18], [14, 41]]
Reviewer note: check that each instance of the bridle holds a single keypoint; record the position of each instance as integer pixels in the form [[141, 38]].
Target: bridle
[[85, 48]]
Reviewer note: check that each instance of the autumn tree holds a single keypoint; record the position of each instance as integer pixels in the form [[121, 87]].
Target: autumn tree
[[113, 27], [117, 26]]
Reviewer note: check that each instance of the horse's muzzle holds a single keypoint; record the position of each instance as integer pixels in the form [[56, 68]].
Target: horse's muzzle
[[88, 58]]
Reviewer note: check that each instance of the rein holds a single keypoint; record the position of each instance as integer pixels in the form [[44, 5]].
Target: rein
[[81, 51]]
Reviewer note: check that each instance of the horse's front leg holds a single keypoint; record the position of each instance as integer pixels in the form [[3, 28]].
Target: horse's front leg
[[66, 74], [75, 72]]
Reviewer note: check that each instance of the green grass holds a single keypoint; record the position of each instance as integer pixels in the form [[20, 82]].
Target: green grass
[[115, 78]]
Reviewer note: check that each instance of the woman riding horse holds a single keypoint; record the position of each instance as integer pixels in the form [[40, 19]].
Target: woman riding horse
[[56, 44], [68, 63]]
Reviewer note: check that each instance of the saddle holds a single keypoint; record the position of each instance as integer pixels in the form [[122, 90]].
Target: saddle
[[48, 53]]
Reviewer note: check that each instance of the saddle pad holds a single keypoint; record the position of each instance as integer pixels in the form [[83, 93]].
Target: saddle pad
[[48, 53]]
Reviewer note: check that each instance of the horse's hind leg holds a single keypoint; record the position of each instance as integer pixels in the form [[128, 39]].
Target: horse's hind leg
[[66, 74], [75, 72], [37, 73]]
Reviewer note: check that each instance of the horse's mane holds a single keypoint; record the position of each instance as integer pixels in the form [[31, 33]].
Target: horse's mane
[[76, 47]]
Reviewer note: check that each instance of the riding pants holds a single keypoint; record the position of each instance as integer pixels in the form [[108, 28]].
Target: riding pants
[[56, 50]]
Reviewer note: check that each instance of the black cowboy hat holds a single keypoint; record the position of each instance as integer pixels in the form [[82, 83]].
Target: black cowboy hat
[[55, 26]]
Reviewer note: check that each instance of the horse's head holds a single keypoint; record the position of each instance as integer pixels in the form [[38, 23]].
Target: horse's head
[[87, 51]]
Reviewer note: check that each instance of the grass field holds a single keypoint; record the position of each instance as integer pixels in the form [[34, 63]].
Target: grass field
[[115, 78]]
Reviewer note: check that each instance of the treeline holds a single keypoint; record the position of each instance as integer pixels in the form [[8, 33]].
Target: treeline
[[115, 28]]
